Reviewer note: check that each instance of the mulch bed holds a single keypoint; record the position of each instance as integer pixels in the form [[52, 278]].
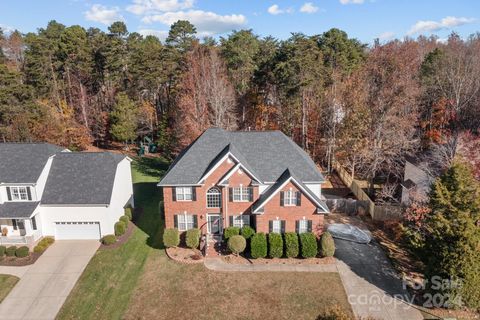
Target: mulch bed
[[232, 259], [185, 255], [122, 239], [20, 262]]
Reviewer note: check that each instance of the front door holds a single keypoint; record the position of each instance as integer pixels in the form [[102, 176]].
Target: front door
[[21, 227], [214, 223]]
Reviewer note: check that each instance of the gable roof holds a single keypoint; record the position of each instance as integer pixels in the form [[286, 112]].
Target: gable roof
[[14, 210], [24, 162], [81, 178], [278, 185], [264, 153]]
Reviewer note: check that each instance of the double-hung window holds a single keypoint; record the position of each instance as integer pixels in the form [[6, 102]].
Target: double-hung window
[[19, 193], [276, 226], [241, 194], [241, 220], [185, 222], [183, 193], [290, 198], [302, 226]]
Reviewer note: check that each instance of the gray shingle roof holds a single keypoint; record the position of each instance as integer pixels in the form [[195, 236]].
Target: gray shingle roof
[[267, 153], [81, 178], [24, 162], [14, 210]]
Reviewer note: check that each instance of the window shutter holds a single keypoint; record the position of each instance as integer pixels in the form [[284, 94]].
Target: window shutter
[[174, 194], [282, 226], [195, 221], [9, 194], [299, 198], [270, 226], [29, 193], [14, 222], [194, 194], [282, 195], [297, 226], [230, 194], [230, 218], [175, 221], [309, 226], [250, 195], [34, 223]]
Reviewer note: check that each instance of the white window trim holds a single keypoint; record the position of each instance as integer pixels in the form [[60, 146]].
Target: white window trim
[[279, 223], [180, 191], [302, 229], [219, 194], [241, 220], [244, 194], [291, 196], [185, 216], [18, 188]]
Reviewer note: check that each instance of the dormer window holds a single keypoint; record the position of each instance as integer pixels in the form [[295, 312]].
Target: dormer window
[[19, 193]]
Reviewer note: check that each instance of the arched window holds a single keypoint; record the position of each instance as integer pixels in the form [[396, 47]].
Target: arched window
[[214, 198]]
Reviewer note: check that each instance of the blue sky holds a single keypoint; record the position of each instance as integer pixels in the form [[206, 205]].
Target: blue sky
[[362, 19]]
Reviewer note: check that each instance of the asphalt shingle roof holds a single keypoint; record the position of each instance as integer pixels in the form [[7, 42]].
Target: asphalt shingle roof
[[17, 210], [81, 178], [24, 162], [267, 154]]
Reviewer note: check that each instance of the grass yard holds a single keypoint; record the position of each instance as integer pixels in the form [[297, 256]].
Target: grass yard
[[7, 282], [138, 281]]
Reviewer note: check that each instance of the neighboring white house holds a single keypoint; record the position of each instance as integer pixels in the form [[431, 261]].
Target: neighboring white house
[[46, 190]]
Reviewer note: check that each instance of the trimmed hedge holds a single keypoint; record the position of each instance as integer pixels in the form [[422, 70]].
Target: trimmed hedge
[[120, 228], [128, 213], [2, 250], [22, 252], [237, 244], [125, 219], [43, 244], [275, 245], [39, 248], [258, 245], [231, 231], [247, 232], [109, 239], [327, 245], [291, 245], [308, 244], [10, 252], [171, 238], [192, 238]]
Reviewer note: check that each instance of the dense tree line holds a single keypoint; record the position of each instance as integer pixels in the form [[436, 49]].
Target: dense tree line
[[365, 106]]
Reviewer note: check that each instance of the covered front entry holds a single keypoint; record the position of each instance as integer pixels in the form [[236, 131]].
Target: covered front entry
[[214, 223], [77, 230]]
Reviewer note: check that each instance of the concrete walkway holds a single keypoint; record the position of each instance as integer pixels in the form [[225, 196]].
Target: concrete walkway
[[44, 286], [14, 271], [217, 264]]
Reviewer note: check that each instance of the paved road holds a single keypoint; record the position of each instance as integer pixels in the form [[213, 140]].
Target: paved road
[[371, 282], [45, 285]]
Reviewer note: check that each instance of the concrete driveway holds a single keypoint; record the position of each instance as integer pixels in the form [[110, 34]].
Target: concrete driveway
[[45, 285], [373, 287]]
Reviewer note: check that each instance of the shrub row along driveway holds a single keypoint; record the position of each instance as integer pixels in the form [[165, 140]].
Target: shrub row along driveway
[[46, 284]]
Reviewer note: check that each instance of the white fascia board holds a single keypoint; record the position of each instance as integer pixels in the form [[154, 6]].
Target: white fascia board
[[180, 185], [234, 169], [219, 162]]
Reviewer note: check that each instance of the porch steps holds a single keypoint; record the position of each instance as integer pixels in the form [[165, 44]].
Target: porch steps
[[214, 247]]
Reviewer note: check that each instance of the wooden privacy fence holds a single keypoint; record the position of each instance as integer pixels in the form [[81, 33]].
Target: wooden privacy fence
[[377, 212]]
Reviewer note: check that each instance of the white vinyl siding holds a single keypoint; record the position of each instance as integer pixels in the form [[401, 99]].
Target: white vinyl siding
[[183, 193]]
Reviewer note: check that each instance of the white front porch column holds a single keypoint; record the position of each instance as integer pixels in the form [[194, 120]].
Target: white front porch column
[[28, 227]]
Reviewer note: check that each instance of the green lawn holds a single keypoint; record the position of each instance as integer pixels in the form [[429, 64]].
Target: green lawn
[[138, 281], [7, 282]]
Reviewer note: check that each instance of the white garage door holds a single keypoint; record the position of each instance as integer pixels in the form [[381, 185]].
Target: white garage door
[[77, 230]]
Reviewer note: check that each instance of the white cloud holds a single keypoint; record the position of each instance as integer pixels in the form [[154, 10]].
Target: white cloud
[[140, 7], [352, 1], [207, 23], [161, 34], [445, 23], [6, 28], [385, 36], [308, 7], [103, 14], [275, 10]]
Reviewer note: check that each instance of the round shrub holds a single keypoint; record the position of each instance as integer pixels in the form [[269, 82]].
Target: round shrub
[[275, 245], [327, 245], [237, 244], [125, 219], [109, 239], [171, 238], [308, 244], [10, 252], [39, 248], [120, 228], [2, 250], [291, 245], [22, 252], [48, 240], [128, 213], [247, 232], [258, 245], [231, 231], [192, 238]]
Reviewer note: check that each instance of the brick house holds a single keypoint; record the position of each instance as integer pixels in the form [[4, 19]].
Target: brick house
[[257, 178]]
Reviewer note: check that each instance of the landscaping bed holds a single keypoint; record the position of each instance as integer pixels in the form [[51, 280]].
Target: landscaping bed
[[233, 259], [22, 256], [120, 240], [185, 255], [19, 262]]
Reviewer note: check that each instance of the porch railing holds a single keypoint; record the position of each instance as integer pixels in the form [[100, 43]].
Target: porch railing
[[14, 240]]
